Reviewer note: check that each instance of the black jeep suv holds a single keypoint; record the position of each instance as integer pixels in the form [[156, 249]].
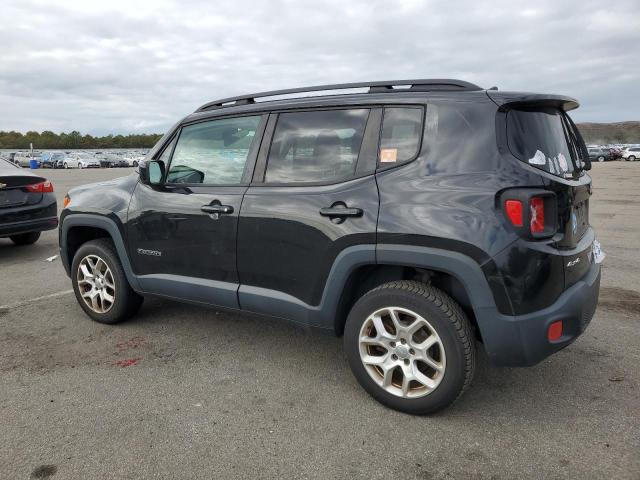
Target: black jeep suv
[[417, 218]]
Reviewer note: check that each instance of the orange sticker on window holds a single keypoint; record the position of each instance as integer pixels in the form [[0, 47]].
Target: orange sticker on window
[[388, 155]]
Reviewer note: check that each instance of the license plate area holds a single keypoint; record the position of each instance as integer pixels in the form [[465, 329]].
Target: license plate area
[[12, 198], [596, 251]]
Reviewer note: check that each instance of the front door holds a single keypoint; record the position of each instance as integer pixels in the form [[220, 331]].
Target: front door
[[182, 234]]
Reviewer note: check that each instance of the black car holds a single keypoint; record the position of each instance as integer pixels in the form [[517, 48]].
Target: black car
[[420, 222], [27, 204]]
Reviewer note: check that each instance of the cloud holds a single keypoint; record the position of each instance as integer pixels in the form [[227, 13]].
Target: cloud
[[122, 66]]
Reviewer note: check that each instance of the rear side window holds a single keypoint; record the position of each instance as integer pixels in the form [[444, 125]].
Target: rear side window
[[401, 132], [320, 146], [542, 138]]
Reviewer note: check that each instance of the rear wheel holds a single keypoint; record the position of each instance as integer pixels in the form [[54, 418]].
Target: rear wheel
[[632, 158], [410, 346], [100, 284], [25, 238]]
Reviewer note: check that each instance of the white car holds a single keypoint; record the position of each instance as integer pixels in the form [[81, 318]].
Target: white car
[[631, 153], [81, 160], [134, 160]]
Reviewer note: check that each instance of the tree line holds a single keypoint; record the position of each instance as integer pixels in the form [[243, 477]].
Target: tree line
[[51, 140]]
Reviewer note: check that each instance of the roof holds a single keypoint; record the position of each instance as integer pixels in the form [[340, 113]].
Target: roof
[[387, 86]]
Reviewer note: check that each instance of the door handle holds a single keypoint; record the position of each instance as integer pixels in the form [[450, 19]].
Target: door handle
[[340, 212], [219, 209]]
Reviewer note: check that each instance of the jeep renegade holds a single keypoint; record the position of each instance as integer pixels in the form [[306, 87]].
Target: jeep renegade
[[421, 219]]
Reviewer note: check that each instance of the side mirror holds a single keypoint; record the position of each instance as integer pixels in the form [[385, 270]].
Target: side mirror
[[151, 172]]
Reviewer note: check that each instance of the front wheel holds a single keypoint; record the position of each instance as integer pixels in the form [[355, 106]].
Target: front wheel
[[601, 159], [100, 284], [632, 158], [25, 238], [410, 346]]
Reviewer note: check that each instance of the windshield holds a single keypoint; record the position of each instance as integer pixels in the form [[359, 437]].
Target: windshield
[[547, 139]]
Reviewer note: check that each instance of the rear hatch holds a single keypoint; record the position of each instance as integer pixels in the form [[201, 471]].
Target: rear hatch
[[13, 182], [541, 134]]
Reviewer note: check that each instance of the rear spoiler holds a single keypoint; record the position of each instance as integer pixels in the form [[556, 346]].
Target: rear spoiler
[[507, 100]]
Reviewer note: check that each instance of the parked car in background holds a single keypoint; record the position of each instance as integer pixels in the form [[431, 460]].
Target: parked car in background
[[631, 153], [106, 161], [121, 162], [111, 160], [23, 159], [600, 154], [27, 204], [616, 152], [81, 160], [53, 159], [133, 160]]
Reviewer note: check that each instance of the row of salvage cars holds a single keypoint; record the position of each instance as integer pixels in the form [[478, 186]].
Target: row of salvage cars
[[76, 159]]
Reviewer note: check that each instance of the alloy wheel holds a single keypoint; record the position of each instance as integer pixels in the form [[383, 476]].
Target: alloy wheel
[[96, 284], [402, 352]]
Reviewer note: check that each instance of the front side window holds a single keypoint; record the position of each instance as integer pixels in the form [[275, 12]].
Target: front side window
[[401, 132], [321, 146], [213, 152]]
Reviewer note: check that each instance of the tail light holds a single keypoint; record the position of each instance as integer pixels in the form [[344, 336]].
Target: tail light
[[536, 207], [42, 187], [513, 208], [532, 212]]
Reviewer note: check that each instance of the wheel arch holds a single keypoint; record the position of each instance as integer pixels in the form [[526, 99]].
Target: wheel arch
[[455, 273], [77, 229]]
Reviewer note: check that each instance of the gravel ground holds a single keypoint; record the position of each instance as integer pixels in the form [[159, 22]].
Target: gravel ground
[[186, 392]]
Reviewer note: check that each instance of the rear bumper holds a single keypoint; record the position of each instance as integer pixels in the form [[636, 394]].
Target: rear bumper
[[30, 218], [27, 226], [521, 340]]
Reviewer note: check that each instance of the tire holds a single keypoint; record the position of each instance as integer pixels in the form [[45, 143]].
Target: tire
[[135, 163], [601, 159], [125, 302], [66, 165], [632, 158], [452, 350], [80, 165], [25, 238]]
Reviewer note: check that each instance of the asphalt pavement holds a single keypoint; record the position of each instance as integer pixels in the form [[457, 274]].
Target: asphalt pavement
[[190, 393]]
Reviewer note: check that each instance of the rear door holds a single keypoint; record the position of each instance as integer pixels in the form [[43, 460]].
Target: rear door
[[313, 196], [182, 234]]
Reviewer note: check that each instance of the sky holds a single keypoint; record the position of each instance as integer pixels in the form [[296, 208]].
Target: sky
[[132, 66]]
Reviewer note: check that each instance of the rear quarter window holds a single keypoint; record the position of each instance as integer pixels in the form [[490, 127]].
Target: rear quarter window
[[539, 137], [401, 135]]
